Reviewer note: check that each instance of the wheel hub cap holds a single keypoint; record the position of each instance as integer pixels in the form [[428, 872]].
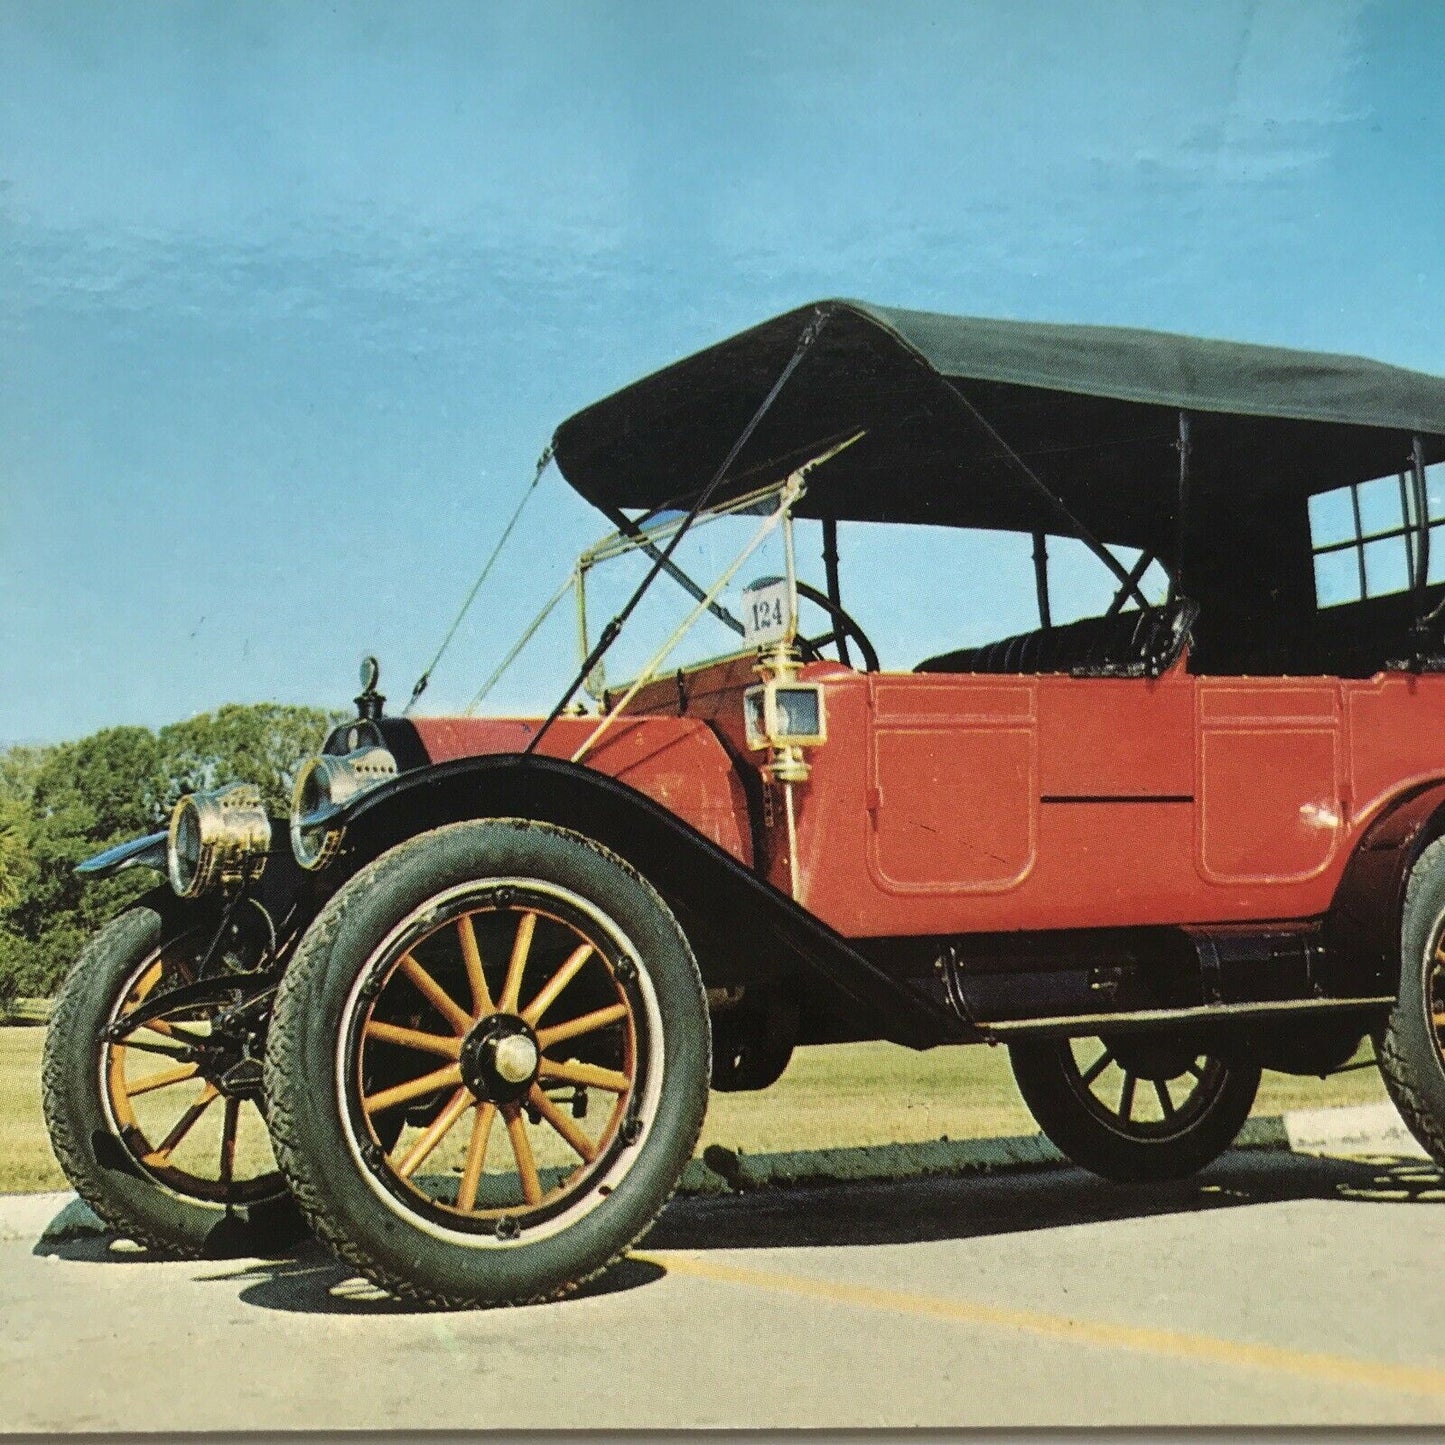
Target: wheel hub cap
[[499, 1059], [515, 1058]]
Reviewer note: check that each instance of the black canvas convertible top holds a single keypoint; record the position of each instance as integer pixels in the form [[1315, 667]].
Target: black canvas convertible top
[[1093, 411]]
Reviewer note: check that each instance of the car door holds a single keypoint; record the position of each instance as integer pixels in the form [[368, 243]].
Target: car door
[[953, 791], [1270, 766]]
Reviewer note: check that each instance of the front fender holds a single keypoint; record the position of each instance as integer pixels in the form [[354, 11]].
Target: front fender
[[147, 852], [763, 929]]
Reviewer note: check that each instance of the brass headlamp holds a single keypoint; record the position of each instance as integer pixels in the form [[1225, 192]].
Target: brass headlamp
[[217, 838], [324, 786]]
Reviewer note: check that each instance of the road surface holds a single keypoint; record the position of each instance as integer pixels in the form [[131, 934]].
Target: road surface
[[1272, 1288]]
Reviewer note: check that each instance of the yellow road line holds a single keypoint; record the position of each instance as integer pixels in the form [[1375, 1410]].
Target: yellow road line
[[1336, 1369]]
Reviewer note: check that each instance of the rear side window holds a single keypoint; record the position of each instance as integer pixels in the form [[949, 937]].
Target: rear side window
[[1364, 537]]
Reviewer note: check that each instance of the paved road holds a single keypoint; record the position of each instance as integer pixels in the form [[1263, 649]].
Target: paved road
[[1273, 1288]]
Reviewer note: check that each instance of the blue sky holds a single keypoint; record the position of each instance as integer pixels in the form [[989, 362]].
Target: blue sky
[[292, 295]]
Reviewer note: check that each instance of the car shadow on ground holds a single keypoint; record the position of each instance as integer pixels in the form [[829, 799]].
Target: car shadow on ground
[[1015, 1202], [308, 1280], [312, 1282]]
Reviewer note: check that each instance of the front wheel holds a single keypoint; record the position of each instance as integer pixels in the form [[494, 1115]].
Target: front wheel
[[159, 1126], [1134, 1106], [488, 1064]]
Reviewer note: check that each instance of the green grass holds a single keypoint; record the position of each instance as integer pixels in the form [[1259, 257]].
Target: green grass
[[839, 1095], [26, 1163], [879, 1093]]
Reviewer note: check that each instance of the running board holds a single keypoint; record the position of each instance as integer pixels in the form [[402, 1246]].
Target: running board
[[1085, 981], [1143, 1020]]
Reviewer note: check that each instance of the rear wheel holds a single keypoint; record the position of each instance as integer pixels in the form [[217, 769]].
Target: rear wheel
[[161, 1133], [1411, 1046], [488, 1064], [1134, 1106]]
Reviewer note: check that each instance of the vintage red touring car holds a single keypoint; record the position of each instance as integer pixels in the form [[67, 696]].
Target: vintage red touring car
[[474, 992]]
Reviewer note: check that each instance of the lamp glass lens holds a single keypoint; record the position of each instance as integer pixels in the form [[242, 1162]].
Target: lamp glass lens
[[187, 847], [797, 712]]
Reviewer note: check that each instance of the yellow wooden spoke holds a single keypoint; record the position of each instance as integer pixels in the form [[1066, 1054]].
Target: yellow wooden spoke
[[449, 1046], [522, 1149], [476, 1157], [588, 1075], [448, 1077], [481, 996], [562, 1124], [162, 1080], [115, 1084], [183, 1126], [143, 985], [157, 1026], [228, 1141], [554, 985], [583, 1024], [436, 995], [456, 1106], [521, 947]]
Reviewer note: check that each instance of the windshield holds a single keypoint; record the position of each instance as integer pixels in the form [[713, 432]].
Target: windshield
[[722, 555], [916, 590]]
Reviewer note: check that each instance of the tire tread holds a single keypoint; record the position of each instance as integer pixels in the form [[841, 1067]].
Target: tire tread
[[301, 1170], [70, 1153], [1403, 1074]]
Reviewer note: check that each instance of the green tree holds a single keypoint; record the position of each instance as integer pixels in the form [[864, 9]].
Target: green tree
[[62, 804], [18, 770], [262, 743], [87, 795], [19, 767]]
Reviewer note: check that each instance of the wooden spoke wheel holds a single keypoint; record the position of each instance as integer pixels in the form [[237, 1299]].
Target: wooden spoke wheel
[[1410, 1044], [1135, 1106], [488, 1063], [504, 1038], [179, 1097], [159, 1127]]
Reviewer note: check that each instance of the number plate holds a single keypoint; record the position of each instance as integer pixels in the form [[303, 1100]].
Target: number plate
[[767, 612]]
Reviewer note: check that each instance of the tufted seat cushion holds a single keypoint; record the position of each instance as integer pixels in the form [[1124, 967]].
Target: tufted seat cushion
[[1124, 643]]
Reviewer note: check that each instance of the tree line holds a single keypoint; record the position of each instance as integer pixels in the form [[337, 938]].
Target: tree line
[[60, 804]]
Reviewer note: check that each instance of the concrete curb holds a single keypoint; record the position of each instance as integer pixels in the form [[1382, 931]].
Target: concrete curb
[[1373, 1130], [46, 1218], [736, 1172], [1361, 1129]]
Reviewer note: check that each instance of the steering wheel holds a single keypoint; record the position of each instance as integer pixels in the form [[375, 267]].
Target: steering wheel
[[844, 626]]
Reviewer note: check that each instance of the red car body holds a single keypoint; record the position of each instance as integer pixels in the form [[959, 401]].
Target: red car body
[[958, 804], [1154, 850]]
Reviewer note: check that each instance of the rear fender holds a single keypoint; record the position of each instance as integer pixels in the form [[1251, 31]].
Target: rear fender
[[1362, 929], [738, 921]]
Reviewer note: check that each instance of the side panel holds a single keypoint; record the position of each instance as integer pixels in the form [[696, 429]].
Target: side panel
[[1271, 780], [945, 804], [993, 804], [954, 797], [1397, 737]]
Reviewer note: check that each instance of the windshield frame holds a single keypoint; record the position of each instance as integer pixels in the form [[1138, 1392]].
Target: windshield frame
[[774, 504]]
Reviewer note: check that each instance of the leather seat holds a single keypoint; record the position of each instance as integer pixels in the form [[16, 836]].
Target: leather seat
[[1112, 643]]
